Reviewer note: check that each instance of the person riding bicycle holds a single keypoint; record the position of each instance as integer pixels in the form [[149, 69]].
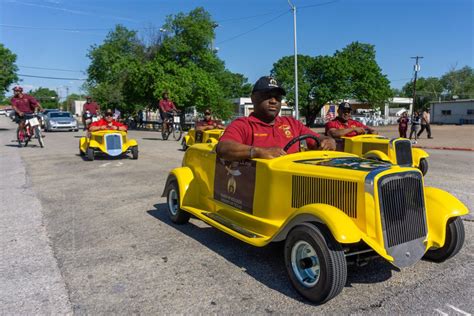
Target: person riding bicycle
[[167, 110], [107, 123], [24, 106], [90, 108]]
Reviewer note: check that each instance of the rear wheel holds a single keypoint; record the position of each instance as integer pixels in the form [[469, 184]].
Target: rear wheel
[[90, 154], [134, 152], [423, 166], [177, 132], [176, 214], [165, 132], [315, 263], [452, 244]]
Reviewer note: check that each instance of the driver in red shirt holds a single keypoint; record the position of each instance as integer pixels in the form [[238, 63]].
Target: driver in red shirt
[[344, 125], [208, 123], [107, 123], [264, 133]]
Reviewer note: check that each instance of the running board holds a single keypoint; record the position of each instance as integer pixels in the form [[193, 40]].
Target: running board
[[227, 223]]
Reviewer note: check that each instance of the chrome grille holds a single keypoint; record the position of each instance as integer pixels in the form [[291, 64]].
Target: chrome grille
[[113, 142], [402, 208], [338, 193], [403, 152]]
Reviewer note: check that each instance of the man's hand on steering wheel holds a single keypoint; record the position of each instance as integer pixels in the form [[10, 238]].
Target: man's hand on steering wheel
[[268, 153], [328, 144]]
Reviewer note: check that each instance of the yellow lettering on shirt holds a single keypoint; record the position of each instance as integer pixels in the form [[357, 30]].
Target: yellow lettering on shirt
[[260, 134]]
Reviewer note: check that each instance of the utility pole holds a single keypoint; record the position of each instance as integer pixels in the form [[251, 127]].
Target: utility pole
[[417, 68], [293, 8]]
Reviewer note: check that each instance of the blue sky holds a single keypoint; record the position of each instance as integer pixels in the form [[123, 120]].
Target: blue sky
[[251, 35]]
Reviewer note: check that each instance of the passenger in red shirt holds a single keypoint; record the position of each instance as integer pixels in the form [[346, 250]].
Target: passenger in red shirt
[[343, 125], [264, 133], [24, 106], [107, 123], [91, 106]]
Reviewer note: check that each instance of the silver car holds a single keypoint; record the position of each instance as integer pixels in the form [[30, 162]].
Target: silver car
[[60, 121]]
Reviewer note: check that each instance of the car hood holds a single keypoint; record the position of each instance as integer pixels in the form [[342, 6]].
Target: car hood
[[62, 119]]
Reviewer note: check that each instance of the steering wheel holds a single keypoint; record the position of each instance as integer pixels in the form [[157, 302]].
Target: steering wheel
[[300, 138]]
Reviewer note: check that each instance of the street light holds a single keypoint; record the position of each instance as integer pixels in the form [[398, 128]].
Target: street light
[[293, 8]]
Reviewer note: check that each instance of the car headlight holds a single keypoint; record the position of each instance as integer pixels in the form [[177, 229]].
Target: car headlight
[[53, 122]]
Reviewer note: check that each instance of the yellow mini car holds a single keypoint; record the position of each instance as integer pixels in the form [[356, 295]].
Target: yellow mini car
[[111, 143], [209, 136], [397, 151], [328, 207]]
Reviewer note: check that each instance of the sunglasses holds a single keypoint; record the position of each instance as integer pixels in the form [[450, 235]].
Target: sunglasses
[[108, 114], [270, 94]]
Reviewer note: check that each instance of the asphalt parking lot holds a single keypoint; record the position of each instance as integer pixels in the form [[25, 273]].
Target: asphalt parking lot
[[94, 237]]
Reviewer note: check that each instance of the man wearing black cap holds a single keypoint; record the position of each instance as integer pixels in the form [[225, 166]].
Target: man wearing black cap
[[264, 133], [89, 110], [344, 125], [208, 123], [107, 123]]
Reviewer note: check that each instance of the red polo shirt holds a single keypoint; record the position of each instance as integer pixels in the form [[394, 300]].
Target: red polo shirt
[[253, 132], [103, 122], [92, 107], [25, 104], [167, 105], [338, 124]]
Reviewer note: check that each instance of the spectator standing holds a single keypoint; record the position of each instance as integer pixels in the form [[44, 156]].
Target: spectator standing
[[403, 124], [425, 123], [415, 124]]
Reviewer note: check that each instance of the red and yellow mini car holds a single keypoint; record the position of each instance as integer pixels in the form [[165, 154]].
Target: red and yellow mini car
[[328, 207], [109, 142], [195, 137]]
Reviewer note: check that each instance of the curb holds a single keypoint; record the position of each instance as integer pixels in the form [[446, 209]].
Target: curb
[[444, 148]]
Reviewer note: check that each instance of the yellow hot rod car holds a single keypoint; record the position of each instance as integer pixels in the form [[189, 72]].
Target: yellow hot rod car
[[196, 137], [328, 207], [110, 142], [397, 151]]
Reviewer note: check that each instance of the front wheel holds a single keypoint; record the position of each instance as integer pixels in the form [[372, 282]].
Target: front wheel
[[184, 146], [165, 132], [315, 263], [176, 214], [39, 136], [20, 136], [452, 244], [177, 132], [90, 154], [423, 166]]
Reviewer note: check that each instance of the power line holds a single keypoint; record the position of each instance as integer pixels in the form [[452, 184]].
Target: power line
[[43, 77], [55, 69], [255, 28], [318, 4]]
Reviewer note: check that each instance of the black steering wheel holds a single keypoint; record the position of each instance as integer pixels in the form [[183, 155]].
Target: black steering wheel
[[300, 138]]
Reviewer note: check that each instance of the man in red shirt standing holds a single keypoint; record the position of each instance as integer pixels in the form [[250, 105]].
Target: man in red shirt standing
[[24, 106], [264, 133], [344, 125], [167, 108], [107, 123], [90, 106]]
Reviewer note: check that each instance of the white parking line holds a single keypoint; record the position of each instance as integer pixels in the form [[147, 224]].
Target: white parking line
[[119, 164], [458, 310], [441, 313], [105, 164]]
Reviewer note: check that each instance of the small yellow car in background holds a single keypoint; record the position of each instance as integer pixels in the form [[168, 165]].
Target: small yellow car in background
[[328, 207], [112, 143], [192, 137], [397, 151]]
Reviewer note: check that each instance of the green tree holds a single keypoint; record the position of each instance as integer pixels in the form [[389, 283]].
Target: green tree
[[427, 90], [459, 83], [47, 97], [365, 78], [8, 69]]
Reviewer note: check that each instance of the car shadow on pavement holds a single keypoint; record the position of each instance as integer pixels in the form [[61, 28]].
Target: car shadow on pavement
[[265, 264], [152, 138]]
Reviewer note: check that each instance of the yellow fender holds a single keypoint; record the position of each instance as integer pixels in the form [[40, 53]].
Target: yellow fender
[[418, 154], [83, 144], [440, 207], [186, 140], [377, 155], [131, 143], [342, 227], [183, 176]]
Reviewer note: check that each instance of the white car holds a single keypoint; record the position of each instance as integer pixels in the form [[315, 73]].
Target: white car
[[60, 121]]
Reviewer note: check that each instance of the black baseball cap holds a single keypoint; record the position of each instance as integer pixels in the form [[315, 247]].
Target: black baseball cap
[[267, 84], [207, 112], [345, 106]]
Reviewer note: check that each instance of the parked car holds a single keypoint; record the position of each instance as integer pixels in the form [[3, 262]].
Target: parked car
[[209, 136], [108, 142], [60, 121], [397, 151], [328, 207], [43, 115]]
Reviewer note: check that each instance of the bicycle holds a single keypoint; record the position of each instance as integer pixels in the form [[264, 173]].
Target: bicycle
[[32, 128], [173, 126]]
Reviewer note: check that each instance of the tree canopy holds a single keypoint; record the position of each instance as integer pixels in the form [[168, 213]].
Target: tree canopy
[[8, 69], [129, 73], [350, 73], [47, 97]]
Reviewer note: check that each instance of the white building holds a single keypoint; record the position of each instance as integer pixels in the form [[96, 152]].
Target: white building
[[77, 106], [452, 112]]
